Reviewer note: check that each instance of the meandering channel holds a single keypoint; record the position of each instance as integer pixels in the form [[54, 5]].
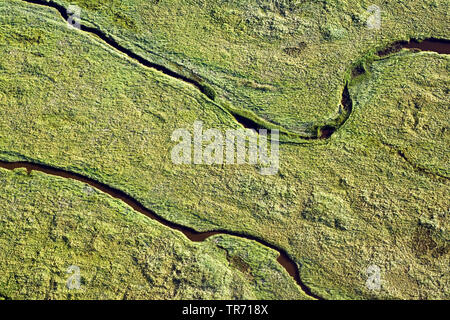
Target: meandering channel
[[283, 259], [437, 45]]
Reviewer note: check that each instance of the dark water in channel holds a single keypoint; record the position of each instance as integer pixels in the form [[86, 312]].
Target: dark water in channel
[[288, 264], [436, 45], [440, 46]]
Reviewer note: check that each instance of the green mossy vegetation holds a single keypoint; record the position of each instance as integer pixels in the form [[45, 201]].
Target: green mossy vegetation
[[241, 46], [376, 192], [49, 224]]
